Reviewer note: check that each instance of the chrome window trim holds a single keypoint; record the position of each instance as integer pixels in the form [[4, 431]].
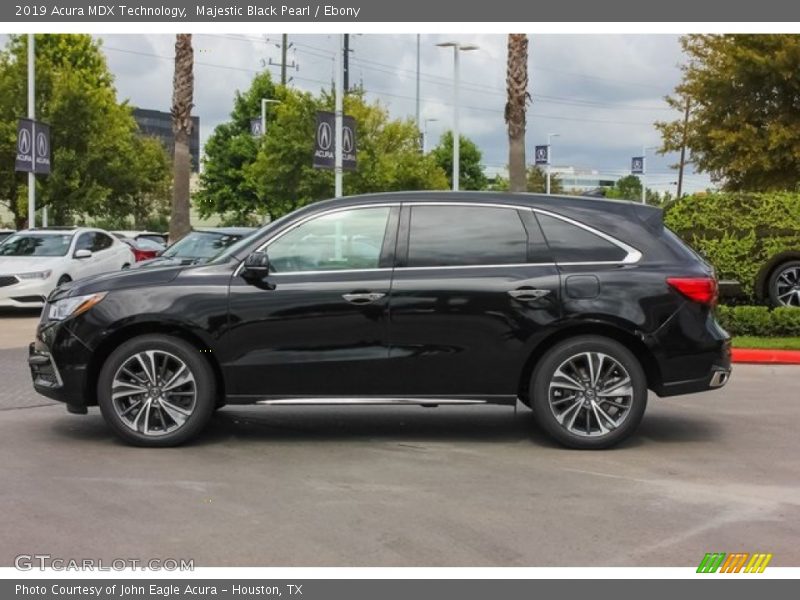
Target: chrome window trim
[[632, 254]]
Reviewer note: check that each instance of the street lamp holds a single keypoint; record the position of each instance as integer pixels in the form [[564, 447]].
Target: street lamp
[[644, 170], [264, 102], [457, 47], [425, 132], [549, 159]]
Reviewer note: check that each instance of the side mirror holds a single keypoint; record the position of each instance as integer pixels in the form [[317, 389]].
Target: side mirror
[[256, 266], [83, 253]]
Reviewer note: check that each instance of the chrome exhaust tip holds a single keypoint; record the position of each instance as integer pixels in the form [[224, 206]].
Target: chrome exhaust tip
[[719, 378]]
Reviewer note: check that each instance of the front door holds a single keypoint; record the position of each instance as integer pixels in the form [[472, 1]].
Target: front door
[[474, 290], [317, 325]]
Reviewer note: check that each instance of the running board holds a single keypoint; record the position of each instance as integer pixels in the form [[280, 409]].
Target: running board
[[367, 401]]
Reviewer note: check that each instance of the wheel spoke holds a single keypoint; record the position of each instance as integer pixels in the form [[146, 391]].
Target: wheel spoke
[[178, 415], [574, 383], [181, 377], [123, 390]]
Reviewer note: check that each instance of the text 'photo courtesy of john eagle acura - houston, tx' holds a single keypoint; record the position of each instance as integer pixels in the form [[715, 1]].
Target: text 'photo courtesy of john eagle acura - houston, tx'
[[575, 307]]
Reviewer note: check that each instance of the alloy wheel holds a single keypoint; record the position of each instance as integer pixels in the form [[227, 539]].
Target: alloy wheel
[[590, 394], [787, 286], [154, 392]]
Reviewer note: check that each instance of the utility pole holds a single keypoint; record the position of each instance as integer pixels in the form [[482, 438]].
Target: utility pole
[[32, 116], [682, 162], [644, 171], [550, 136], [417, 117], [284, 50], [337, 140], [346, 58]]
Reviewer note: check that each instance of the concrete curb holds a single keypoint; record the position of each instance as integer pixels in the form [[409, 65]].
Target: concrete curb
[[761, 356]]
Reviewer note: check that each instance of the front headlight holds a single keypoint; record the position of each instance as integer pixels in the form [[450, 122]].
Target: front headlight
[[73, 306], [35, 275]]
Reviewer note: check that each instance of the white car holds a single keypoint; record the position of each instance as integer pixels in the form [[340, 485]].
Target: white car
[[36, 261]]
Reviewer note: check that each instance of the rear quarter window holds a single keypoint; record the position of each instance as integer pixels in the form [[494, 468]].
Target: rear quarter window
[[571, 243]]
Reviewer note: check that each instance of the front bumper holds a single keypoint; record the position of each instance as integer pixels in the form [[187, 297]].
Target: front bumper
[[26, 293], [58, 361]]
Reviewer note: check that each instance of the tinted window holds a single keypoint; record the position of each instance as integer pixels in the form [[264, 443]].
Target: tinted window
[[85, 242], [101, 242], [350, 239], [465, 235], [570, 243], [32, 244]]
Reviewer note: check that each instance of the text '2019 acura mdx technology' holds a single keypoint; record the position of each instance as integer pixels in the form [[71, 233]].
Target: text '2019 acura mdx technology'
[[576, 307]]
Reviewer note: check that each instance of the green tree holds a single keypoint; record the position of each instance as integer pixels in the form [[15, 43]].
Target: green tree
[[744, 120], [471, 176], [247, 179], [93, 136], [626, 188], [537, 181]]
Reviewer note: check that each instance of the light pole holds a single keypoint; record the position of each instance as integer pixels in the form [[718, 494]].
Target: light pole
[[644, 171], [31, 116], [549, 159], [339, 119], [425, 132], [457, 47], [264, 102]]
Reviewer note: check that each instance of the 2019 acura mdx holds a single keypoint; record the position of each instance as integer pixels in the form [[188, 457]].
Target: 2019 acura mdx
[[576, 307]]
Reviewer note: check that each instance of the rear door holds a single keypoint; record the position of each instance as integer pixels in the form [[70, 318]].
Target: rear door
[[473, 289]]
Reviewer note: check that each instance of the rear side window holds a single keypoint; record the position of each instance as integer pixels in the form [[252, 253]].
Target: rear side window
[[444, 236], [101, 242], [570, 243]]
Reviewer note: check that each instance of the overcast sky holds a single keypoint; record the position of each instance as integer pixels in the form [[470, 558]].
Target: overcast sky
[[601, 92]]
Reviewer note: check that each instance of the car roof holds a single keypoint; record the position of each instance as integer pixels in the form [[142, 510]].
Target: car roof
[[227, 230], [62, 230]]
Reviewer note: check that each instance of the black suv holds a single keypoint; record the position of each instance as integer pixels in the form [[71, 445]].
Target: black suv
[[573, 306]]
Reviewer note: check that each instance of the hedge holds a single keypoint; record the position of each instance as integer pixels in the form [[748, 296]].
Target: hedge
[[737, 232], [760, 321]]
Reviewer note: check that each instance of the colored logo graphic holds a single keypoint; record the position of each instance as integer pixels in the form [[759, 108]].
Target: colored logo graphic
[[737, 562]]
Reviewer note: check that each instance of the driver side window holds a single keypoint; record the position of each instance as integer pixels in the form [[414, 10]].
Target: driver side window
[[347, 239]]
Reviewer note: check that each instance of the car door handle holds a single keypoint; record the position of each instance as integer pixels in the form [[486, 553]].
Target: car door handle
[[528, 294], [363, 297]]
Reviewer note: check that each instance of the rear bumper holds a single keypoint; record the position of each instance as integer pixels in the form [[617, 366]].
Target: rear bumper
[[717, 378]]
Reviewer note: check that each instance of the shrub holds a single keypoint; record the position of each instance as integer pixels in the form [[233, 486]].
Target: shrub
[[760, 321], [737, 232]]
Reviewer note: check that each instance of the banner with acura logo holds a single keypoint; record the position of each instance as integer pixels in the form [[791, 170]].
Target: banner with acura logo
[[325, 145], [33, 147]]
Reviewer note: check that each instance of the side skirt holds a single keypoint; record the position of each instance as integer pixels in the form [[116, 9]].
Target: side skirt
[[372, 400]]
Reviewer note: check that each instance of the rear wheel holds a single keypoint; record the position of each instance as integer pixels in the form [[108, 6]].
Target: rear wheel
[[589, 392], [156, 391], [784, 284]]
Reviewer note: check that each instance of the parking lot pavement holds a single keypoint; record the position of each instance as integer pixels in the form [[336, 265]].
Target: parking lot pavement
[[17, 327], [409, 486]]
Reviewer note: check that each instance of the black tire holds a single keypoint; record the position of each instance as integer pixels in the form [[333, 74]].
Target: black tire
[[63, 279], [203, 386], [569, 355], [790, 271]]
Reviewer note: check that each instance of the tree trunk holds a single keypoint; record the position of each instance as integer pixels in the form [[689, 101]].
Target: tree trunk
[[182, 96], [516, 106]]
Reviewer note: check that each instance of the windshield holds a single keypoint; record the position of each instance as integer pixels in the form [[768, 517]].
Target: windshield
[[36, 244], [200, 244]]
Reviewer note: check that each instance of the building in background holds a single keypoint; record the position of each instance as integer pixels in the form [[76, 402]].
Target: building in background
[[159, 124]]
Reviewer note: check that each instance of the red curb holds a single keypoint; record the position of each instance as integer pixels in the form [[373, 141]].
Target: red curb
[[775, 357]]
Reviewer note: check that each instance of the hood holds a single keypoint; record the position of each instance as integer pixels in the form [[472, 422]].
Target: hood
[[116, 280], [169, 261], [11, 265]]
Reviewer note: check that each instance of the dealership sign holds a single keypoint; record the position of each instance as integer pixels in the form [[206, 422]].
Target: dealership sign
[[637, 165], [33, 147], [325, 141], [255, 128], [541, 155]]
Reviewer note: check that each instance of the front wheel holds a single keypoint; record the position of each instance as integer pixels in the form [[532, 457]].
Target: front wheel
[[589, 392], [156, 390], [784, 285]]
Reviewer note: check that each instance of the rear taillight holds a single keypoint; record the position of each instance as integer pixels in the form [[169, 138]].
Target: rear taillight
[[698, 289]]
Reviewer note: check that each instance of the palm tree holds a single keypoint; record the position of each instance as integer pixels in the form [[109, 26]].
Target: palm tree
[[516, 105], [182, 95]]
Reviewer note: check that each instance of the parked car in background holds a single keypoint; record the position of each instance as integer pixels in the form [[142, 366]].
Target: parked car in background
[[143, 248], [34, 262], [574, 306], [154, 236], [4, 233], [198, 246]]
